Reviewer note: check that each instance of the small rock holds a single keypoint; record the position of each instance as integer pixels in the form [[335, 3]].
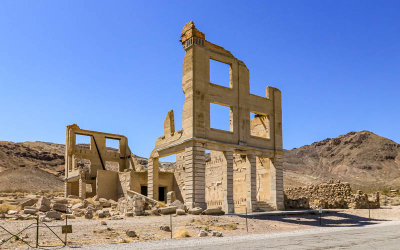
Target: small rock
[[203, 233], [103, 223], [12, 212], [104, 202], [165, 228], [78, 213], [180, 212], [195, 210], [131, 233], [129, 214], [60, 200], [70, 216], [2, 216], [216, 234], [117, 218]]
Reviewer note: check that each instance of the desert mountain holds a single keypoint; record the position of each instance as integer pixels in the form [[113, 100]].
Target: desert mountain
[[364, 159]]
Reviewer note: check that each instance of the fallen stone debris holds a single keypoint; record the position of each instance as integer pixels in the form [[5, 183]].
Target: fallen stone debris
[[333, 194]]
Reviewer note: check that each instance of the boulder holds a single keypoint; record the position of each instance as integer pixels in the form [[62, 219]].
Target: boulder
[[178, 204], [27, 202], [78, 212], [195, 210], [103, 213], [203, 233], [43, 203], [104, 202], [180, 211], [213, 211], [59, 207], [165, 228], [12, 212], [168, 210], [131, 233], [88, 214], [60, 200], [217, 234], [53, 215], [30, 210]]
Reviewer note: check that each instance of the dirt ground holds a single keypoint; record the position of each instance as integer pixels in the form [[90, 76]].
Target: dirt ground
[[148, 228]]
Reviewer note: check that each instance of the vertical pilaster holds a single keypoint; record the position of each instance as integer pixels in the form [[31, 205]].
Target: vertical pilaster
[[251, 198], [195, 176], [277, 196], [152, 179], [67, 188], [82, 188], [227, 183]]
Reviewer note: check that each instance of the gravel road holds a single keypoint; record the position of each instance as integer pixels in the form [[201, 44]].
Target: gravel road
[[384, 235]]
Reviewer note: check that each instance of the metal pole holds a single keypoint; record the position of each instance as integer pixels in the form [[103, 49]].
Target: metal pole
[[320, 219], [66, 231], [247, 224], [170, 223], [37, 231], [369, 211]]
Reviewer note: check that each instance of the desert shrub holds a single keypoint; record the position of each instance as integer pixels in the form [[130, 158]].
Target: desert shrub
[[181, 232], [5, 207]]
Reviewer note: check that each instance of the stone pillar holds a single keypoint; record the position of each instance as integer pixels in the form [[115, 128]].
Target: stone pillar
[[152, 179], [227, 183], [277, 196], [82, 188], [251, 178], [67, 188], [195, 195]]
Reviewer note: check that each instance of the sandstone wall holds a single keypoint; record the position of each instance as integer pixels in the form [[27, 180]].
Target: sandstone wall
[[333, 194]]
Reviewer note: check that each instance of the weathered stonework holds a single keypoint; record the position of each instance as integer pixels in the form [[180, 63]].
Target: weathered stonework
[[257, 142], [333, 194]]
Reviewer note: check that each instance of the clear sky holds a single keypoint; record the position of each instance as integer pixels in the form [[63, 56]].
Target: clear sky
[[116, 66]]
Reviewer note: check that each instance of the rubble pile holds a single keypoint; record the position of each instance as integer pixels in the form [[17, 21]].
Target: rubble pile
[[333, 194], [57, 208]]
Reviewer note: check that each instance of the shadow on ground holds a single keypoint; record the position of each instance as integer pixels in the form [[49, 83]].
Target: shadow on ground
[[332, 219]]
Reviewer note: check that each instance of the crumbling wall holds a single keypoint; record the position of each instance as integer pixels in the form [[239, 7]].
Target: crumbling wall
[[333, 194], [107, 184]]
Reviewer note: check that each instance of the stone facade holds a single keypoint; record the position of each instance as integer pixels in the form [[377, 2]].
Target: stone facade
[[333, 194], [256, 142]]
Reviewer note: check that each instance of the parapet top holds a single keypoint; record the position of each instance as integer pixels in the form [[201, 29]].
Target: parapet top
[[189, 31]]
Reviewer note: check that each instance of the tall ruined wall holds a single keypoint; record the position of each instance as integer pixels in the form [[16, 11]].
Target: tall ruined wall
[[333, 194], [214, 178]]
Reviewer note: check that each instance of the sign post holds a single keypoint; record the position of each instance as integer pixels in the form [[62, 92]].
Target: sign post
[[320, 215]]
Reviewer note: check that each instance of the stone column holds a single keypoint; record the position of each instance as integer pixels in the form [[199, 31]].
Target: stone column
[[277, 196], [195, 195], [67, 188], [152, 179], [82, 188], [227, 183], [251, 178]]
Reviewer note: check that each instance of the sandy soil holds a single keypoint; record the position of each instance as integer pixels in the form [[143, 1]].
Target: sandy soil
[[148, 228]]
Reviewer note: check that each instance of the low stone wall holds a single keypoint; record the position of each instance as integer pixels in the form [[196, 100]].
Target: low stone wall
[[333, 194]]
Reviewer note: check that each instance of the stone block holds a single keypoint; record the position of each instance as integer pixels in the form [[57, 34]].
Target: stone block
[[168, 210]]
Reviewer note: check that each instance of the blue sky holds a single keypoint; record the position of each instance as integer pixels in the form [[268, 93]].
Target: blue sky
[[116, 66]]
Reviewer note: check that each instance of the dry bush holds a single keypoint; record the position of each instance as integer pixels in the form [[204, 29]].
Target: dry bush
[[182, 232], [5, 207], [161, 204], [91, 201]]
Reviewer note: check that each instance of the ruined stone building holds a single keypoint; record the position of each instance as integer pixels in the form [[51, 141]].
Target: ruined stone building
[[243, 168]]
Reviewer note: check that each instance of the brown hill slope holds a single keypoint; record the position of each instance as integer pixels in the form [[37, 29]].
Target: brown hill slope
[[364, 159]]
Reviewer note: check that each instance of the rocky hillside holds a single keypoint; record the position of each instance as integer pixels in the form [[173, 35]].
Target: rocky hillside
[[364, 159]]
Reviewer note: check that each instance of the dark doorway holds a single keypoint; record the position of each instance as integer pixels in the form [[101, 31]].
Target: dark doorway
[[161, 193], [143, 190]]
